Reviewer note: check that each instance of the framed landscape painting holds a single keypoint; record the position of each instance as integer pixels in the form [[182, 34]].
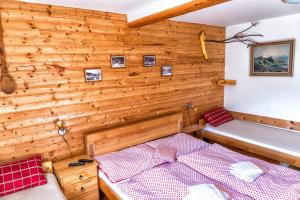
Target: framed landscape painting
[[117, 61], [149, 61], [272, 59], [166, 70], [92, 75]]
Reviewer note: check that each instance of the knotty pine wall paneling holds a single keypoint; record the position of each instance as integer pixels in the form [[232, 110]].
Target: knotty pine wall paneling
[[47, 48]]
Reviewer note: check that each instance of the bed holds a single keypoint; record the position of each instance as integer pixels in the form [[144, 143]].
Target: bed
[[278, 144], [115, 192], [181, 174], [49, 191], [121, 137]]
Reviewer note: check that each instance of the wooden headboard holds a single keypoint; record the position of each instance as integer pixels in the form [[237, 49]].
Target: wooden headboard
[[117, 138]]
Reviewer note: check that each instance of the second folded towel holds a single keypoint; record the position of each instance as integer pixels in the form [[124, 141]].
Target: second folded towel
[[246, 171]]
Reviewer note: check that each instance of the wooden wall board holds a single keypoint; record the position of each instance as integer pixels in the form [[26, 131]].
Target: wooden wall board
[[281, 123], [47, 48], [117, 138]]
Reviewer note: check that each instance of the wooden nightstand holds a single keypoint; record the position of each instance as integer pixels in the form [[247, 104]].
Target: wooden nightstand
[[195, 130], [78, 183]]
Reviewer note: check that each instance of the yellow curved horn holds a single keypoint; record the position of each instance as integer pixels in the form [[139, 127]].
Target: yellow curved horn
[[202, 42]]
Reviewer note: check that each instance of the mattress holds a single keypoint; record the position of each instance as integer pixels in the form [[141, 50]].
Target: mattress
[[114, 186], [50, 191], [277, 139]]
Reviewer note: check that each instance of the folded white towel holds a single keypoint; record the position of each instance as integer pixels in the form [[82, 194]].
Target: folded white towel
[[205, 192], [246, 171]]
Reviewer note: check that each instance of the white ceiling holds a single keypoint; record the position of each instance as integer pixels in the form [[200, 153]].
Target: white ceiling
[[116, 6], [240, 11], [230, 13]]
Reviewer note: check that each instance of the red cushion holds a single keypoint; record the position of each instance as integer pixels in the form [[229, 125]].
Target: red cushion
[[20, 175], [217, 117]]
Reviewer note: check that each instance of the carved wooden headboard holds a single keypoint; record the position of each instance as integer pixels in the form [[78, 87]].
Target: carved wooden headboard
[[117, 138]]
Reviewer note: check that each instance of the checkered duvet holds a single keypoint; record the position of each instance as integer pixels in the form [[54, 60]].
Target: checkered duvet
[[170, 182], [200, 163], [129, 162], [278, 183]]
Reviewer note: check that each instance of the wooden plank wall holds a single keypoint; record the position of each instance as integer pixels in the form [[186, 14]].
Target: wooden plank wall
[[281, 123], [47, 49]]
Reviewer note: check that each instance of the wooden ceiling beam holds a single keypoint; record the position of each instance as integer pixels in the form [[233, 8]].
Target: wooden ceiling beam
[[174, 12]]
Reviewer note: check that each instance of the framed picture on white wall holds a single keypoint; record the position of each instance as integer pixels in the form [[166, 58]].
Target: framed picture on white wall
[[272, 59]]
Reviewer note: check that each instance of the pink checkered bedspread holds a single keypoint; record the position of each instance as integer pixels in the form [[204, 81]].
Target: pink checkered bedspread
[[170, 181], [182, 142], [278, 183], [129, 162]]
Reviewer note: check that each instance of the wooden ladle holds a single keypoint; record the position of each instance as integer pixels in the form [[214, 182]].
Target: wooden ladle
[[7, 82]]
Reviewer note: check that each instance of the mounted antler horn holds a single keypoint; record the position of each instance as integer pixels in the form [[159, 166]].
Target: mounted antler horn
[[242, 37]]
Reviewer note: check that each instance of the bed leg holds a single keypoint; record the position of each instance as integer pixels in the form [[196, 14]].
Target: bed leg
[[198, 134], [101, 195]]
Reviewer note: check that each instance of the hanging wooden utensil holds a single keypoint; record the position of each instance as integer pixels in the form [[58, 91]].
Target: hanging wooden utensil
[[7, 82]]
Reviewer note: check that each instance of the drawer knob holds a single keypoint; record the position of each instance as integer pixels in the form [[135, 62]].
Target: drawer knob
[[82, 189], [80, 177]]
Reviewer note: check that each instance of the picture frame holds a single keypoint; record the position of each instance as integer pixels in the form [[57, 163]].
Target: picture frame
[[149, 60], [272, 58], [166, 70], [118, 61], [93, 74]]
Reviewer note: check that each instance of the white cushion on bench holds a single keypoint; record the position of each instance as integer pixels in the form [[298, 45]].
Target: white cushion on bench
[[277, 139], [50, 191]]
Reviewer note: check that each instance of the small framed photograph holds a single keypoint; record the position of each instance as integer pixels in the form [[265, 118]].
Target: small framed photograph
[[118, 61], [149, 61], [166, 70], [92, 75]]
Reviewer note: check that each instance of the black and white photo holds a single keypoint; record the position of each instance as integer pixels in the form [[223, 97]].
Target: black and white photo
[[118, 61], [149, 61], [92, 75]]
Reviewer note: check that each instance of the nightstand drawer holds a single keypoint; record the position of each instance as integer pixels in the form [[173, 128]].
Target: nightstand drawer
[[84, 175], [80, 188], [93, 195], [78, 182]]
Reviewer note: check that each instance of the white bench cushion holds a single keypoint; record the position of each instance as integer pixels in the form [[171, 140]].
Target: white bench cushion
[[277, 139], [50, 191]]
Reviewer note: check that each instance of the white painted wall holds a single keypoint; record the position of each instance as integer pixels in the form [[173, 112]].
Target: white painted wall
[[277, 97]]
